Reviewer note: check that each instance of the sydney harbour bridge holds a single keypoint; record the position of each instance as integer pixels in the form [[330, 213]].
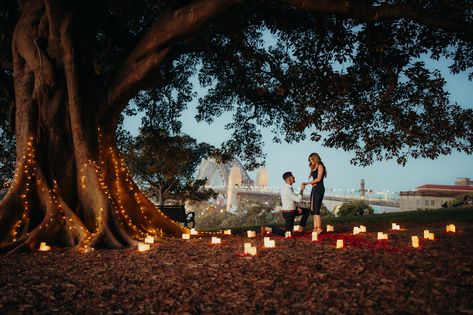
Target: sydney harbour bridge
[[235, 185]]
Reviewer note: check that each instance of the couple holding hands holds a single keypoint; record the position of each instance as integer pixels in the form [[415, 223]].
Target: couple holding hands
[[290, 210]]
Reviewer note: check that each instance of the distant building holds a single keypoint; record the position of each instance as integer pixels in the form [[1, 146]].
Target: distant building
[[262, 177], [234, 185], [433, 196], [463, 181]]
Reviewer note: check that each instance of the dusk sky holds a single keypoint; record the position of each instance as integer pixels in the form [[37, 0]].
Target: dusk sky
[[386, 175]]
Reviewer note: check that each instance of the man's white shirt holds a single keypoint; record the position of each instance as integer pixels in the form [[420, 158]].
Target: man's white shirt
[[289, 198]]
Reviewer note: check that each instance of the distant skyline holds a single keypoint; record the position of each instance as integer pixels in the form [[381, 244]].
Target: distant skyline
[[385, 175]]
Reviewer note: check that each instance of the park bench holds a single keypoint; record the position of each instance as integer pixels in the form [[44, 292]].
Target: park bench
[[178, 214]]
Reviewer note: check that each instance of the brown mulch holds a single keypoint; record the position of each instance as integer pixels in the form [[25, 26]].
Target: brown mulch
[[298, 276]]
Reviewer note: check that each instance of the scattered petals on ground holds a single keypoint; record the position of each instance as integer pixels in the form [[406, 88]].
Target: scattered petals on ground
[[298, 276]]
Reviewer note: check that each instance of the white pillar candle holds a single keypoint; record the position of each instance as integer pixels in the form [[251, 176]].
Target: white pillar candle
[[362, 229], [186, 236], [252, 251], [251, 233], [246, 247], [426, 234], [296, 228], [43, 247], [227, 232], [415, 242], [216, 240], [142, 247], [149, 240], [269, 243], [194, 231], [329, 228], [431, 236], [451, 228], [339, 243], [395, 226], [356, 230], [382, 236], [314, 236], [288, 234]]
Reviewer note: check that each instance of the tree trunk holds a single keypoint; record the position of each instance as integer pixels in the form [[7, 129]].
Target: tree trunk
[[71, 188]]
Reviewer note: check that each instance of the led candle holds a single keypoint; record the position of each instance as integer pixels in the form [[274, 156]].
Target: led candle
[[426, 234], [186, 236], [247, 247], [251, 233], [396, 227], [216, 240], [252, 251], [296, 228], [142, 247], [329, 228], [43, 247], [314, 236], [431, 236], [415, 242], [339, 243], [149, 240], [288, 234], [269, 243], [227, 232], [382, 236], [356, 230], [362, 229], [451, 228], [193, 231]]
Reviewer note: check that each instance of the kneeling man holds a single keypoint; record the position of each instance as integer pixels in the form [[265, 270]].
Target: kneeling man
[[289, 210]]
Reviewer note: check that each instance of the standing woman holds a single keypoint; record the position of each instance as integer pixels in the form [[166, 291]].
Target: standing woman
[[317, 173]]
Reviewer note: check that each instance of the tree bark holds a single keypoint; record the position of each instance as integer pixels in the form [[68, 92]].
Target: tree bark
[[71, 188]]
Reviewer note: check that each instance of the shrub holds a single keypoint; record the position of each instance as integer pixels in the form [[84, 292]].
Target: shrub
[[355, 208]]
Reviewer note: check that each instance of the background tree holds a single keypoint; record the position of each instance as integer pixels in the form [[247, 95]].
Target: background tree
[[164, 166], [345, 72], [355, 208]]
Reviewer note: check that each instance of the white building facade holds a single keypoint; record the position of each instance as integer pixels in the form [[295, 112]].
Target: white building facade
[[431, 196]]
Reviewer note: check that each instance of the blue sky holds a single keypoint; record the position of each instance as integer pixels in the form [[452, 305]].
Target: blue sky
[[386, 175]]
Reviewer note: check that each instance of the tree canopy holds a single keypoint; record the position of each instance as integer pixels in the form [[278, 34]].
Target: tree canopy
[[346, 72], [164, 166]]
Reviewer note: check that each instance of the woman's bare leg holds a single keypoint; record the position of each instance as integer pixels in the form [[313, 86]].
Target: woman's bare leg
[[317, 224]]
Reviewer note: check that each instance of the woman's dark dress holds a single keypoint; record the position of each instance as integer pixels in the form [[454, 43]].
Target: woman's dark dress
[[317, 194]]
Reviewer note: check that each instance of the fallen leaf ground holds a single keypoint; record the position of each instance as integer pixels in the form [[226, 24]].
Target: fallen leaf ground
[[297, 277]]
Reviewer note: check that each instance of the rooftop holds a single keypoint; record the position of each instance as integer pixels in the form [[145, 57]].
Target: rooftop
[[445, 187]]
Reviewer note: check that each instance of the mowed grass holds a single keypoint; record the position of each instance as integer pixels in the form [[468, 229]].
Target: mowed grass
[[438, 217]]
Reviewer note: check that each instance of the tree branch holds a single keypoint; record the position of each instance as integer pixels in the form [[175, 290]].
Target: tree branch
[[129, 78], [362, 11]]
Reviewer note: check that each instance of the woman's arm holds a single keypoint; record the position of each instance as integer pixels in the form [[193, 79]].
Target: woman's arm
[[320, 174]]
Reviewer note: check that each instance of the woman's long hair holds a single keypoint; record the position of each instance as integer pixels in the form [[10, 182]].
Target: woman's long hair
[[319, 161]]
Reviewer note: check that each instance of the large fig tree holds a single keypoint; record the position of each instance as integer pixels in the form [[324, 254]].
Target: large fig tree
[[349, 73]]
